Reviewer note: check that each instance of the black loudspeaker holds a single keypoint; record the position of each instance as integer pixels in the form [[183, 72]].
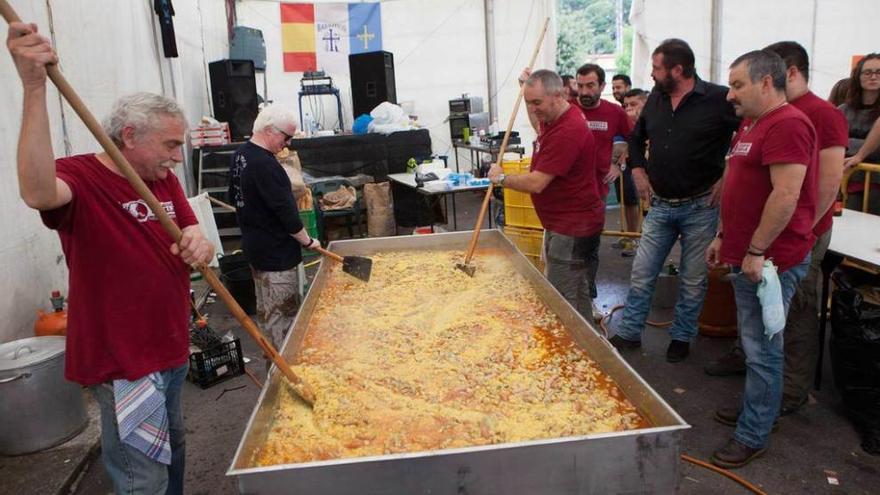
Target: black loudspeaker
[[372, 80], [234, 93]]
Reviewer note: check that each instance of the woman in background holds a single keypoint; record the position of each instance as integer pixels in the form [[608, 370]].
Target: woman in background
[[838, 93], [862, 110]]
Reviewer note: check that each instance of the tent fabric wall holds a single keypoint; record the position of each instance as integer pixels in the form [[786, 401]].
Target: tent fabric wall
[[830, 30]]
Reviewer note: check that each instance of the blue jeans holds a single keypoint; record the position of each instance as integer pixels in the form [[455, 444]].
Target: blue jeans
[[131, 471], [695, 223], [765, 359]]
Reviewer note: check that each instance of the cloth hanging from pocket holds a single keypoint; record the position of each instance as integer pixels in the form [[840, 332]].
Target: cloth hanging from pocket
[[770, 296]]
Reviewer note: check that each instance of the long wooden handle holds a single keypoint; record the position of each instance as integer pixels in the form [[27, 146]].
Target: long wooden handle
[[329, 254], [476, 235], [170, 227], [221, 204]]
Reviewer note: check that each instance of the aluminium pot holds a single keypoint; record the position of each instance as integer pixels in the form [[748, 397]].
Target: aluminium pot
[[32, 381]]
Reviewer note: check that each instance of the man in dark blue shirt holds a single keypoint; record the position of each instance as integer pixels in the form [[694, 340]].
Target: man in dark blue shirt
[[688, 124], [272, 233]]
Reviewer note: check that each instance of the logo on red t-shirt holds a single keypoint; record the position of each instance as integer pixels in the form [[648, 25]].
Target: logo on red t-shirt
[[140, 211], [597, 125], [741, 149]]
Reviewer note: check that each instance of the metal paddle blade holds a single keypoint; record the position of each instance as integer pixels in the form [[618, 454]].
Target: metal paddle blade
[[470, 270], [358, 266]]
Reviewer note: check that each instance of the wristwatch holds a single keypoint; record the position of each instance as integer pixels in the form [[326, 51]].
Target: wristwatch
[[500, 180]]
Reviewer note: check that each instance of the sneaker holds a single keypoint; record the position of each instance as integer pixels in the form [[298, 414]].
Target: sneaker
[[677, 351], [598, 315], [622, 344], [730, 364], [729, 415], [735, 454], [620, 243]]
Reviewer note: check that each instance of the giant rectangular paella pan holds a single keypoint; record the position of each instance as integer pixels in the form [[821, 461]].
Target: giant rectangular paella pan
[[428, 381]]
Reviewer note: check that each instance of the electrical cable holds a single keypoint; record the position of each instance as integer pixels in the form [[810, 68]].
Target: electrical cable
[[607, 319]]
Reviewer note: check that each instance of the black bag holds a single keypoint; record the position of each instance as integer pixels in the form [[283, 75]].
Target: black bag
[[855, 354]]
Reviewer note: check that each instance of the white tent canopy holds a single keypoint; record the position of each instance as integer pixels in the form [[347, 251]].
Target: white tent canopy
[[831, 31]]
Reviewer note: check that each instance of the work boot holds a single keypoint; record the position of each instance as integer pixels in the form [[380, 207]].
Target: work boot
[[729, 415], [735, 454], [624, 344], [677, 351], [791, 405], [732, 363]]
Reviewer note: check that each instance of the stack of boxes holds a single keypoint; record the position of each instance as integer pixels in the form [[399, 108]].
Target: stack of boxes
[[521, 223], [210, 135]]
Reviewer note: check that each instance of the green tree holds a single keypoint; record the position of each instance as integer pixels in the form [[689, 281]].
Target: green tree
[[587, 27]]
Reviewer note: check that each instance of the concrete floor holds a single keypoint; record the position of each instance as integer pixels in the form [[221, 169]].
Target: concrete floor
[[808, 445]]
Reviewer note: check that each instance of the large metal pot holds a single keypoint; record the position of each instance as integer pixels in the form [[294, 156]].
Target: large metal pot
[[39, 408]]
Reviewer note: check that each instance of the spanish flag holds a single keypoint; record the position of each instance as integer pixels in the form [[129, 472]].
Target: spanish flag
[[298, 37]]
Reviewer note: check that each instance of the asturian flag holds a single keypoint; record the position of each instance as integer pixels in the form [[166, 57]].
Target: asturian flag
[[321, 36]]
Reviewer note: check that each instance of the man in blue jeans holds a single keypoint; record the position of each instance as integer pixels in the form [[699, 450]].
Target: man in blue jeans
[[688, 124], [768, 210], [127, 331]]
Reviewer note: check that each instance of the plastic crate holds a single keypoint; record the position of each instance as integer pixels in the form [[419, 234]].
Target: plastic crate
[[529, 242], [217, 364], [518, 208], [310, 222]]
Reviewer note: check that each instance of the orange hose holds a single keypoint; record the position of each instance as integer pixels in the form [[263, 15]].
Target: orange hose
[[724, 472], [253, 378]]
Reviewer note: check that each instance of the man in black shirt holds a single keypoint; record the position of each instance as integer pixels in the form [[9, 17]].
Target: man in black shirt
[[687, 125], [271, 231]]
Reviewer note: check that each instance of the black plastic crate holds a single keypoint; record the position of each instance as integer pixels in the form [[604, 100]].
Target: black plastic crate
[[214, 365]]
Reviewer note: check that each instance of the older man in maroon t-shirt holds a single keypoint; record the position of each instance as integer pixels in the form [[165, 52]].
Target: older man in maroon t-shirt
[[768, 209], [802, 326], [562, 184]]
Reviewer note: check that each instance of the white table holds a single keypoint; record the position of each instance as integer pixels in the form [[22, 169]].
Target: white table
[[855, 236], [409, 180]]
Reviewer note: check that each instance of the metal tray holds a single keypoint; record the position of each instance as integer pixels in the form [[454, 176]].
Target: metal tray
[[629, 462]]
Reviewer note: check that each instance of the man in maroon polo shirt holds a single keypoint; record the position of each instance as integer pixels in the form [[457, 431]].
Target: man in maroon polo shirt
[[607, 121], [768, 210], [562, 184], [802, 325]]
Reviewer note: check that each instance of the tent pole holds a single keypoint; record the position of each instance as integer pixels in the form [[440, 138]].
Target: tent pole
[[491, 79]]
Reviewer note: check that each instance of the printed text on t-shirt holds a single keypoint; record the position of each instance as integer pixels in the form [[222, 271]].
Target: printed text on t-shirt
[[139, 210]]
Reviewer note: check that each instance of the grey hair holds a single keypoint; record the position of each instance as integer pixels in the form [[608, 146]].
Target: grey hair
[[139, 111], [550, 80], [764, 63], [274, 114]]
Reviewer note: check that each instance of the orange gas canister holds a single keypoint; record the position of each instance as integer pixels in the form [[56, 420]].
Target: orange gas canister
[[54, 323]]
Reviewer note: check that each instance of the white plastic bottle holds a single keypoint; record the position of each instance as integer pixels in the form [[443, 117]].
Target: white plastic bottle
[[308, 124], [493, 128]]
